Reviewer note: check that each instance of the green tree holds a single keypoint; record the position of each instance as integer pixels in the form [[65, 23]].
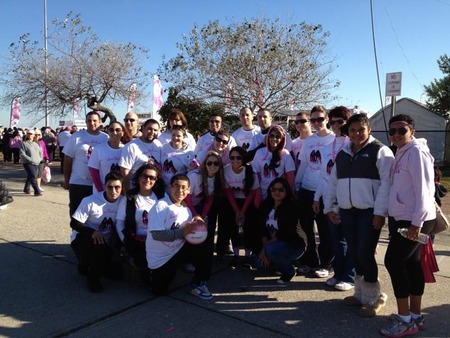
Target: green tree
[[197, 112], [438, 91], [80, 67], [255, 63]]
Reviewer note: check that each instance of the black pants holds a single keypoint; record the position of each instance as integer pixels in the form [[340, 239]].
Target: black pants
[[136, 249], [16, 154], [76, 194], [228, 228], [197, 254], [323, 257], [98, 258], [402, 260], [31, 170], [61, 156]]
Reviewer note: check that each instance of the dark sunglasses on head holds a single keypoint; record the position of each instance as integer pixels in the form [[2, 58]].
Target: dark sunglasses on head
[[148, 177], [275, 189], [401, 131], [317, 119], [117, 130], [302, 121], [131, 120], [220, 140], [339, 121], [214, 163], [239, 158]]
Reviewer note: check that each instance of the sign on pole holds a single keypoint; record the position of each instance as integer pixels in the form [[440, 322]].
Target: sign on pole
[[394, 84]]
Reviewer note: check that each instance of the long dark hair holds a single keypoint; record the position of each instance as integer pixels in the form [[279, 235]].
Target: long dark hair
[[249, 175], [159, 187], [269, 203]]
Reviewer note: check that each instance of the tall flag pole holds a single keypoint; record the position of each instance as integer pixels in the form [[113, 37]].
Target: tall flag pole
[[157, 97], [15, 112], [131, 97]]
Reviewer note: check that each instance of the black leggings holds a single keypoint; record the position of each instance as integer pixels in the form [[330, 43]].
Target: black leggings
[[402, 260]]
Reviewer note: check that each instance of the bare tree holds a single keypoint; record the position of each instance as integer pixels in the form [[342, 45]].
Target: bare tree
[[80, 67], [255, 63]]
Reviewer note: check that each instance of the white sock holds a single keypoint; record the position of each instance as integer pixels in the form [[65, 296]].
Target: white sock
[[406, 319], [414, 315]]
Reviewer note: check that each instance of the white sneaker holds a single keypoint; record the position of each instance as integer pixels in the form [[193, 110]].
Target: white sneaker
[[331, 281], [344, 286], [42, 190], [322, 273]]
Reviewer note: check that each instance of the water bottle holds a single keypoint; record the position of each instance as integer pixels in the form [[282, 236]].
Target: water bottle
[[335, 210], [423, 238]]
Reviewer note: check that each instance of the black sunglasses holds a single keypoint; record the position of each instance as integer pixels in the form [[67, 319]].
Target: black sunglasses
[[131, 120], [148, 177], [220, 140], [339, 121], [275, 189], [214, 163], [401, 131], [302, 121], [239, 158], [317, 120]]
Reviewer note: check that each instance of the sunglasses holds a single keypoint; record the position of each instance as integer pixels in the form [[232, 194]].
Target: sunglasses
[[301, 121], [238, 158], [113, 187], [339, 121], [129, 120], [317, 120], [117, 130], [214, 163], [148, 177], [215, 121], [275, 136], [275, 189], [218, 139], [401, 131]]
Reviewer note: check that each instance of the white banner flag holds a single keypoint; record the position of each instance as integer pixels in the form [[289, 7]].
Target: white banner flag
[[157, 97], [15, 112]]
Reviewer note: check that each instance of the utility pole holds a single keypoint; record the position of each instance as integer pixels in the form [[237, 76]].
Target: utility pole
[[46, 62]]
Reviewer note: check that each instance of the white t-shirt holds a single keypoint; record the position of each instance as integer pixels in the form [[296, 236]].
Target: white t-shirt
[[311, 158], [166, 137], [106, 160], [224, 155], [272, 224], [237, 181], [143, 206], [136, 153], [98, 214], [244, 137], [164, 216], [297, 145], [63, 137], [196, 188], [79, 147], [174, 161], [266, 175]]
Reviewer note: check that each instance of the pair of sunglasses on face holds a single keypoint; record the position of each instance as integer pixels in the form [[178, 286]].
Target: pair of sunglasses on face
[[401, 131]]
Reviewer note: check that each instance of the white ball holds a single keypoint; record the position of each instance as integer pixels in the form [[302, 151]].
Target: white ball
[[199, 236]]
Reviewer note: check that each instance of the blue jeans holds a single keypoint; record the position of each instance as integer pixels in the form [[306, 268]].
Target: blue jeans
[[344, 269], [362, 240], [282, 255], [31, 170]]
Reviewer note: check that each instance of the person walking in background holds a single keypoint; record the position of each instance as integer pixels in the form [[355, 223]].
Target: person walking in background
[[49, 139], [15, 143], [359, 183], [45, 158], [411, 206], [31, 156], [282, 242], [62, 139], [307, 181], [343, 267]]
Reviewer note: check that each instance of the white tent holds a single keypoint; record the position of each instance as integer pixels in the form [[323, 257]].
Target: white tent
[[429, 125]]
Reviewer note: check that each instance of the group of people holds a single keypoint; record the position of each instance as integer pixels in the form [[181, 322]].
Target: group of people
[[147, 191]]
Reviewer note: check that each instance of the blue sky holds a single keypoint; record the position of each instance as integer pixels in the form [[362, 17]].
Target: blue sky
[[410, 35]]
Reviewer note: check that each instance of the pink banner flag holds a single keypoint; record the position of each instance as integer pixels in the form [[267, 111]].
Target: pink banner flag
[[15, 112], [131, 97], [75, 108], [157, 96]]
